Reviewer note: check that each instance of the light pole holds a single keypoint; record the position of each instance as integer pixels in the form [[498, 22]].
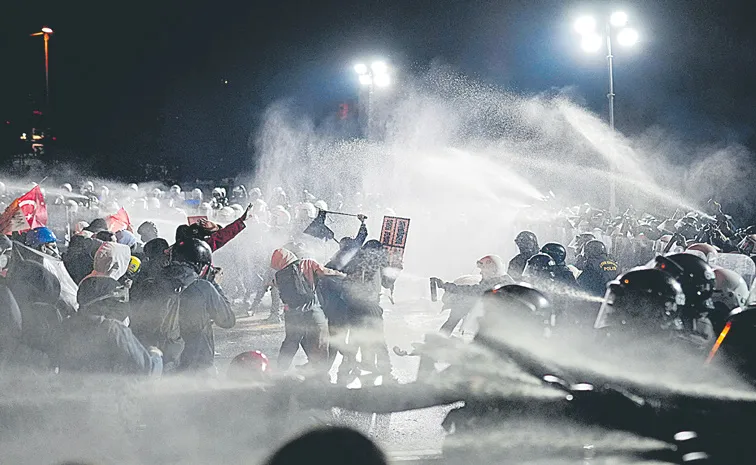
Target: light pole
[[592, 42], [370, 77], [46, 32]]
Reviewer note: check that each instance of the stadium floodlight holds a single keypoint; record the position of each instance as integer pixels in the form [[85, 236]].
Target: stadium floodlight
[[627, 37], [618, 19]]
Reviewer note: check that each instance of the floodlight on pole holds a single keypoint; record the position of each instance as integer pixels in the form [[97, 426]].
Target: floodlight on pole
[[365, 79], [360, 68], [377, 75], [627, 37], [379, 67], [585, 25], [382, 80], [618, 19], [591, 41]]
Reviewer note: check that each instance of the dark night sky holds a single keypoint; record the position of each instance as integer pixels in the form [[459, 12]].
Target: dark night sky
[[130, 79]]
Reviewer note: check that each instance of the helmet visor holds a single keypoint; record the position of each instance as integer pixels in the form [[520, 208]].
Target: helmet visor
[[635, 309]]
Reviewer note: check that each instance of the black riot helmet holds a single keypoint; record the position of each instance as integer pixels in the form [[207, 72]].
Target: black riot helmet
[[594, 249], [527, 242], [504, 302], [155, 248], [641, 300], [194, 252], [694, 275], [555, 251], [539, 266]]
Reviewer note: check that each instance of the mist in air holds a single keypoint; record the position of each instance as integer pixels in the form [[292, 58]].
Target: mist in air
[[465, 162]]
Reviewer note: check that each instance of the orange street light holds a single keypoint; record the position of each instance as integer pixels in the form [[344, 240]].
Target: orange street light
[[45, 32]]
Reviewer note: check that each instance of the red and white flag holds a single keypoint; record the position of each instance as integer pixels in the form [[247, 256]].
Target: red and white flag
[[26, 212], [118, 221]]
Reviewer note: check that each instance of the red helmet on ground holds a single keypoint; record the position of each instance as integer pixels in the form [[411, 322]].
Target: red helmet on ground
[[249, 366]]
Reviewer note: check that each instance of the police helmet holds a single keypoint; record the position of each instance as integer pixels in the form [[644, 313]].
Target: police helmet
[[641, 299], [515, 300], [555, 251], [539, 265], [694, 275], [594, 249]]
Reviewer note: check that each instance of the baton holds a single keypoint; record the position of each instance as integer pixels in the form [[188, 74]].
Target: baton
[[340, 213]]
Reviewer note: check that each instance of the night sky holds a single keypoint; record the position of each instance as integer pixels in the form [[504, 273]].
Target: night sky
[[138, 80]]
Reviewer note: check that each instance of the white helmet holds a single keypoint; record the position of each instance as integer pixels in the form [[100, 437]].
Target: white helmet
[[260, 206], [218, 192], [175, 189], [306, 210], [730, 288], [197, 194], [133, 187], [238, 209], [279, 216], [226, 214], [67, 187], [320, 205]]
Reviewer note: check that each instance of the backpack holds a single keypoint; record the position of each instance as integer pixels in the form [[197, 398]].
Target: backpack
[[169, 326], [294, 289]]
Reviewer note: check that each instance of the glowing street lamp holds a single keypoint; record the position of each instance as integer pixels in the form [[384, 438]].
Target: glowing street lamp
[[370, 77], [591, 41], [46, 32]]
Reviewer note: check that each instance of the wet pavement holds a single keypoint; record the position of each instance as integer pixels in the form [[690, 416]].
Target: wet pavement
[[404, 435]]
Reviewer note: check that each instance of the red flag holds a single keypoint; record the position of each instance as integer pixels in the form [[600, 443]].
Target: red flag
[[119, 221], [26, 212]]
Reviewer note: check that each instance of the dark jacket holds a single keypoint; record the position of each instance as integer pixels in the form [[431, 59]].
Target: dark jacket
[[596, 274], [346, 253], [10, 319], [150, 300], [37, 292], [79, 258], [364, 274], [201, 304], [95, 344], [517, 266], [102, 295], [563, 275]]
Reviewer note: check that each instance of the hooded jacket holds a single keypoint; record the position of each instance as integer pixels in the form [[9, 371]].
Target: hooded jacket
[[104, 296], [111, 260]]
